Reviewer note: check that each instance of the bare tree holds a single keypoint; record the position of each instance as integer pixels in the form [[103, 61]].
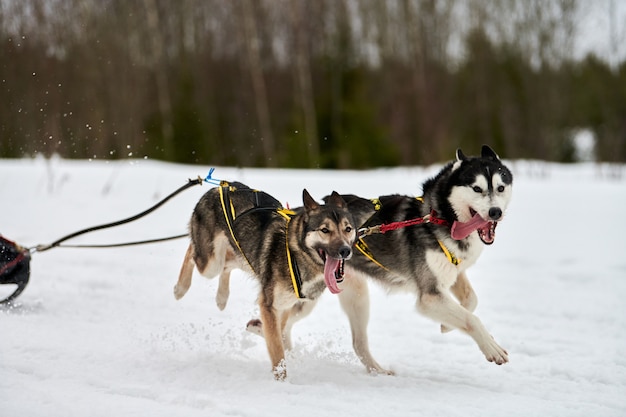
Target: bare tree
[[158, 63], [304, 79], [255, 68]]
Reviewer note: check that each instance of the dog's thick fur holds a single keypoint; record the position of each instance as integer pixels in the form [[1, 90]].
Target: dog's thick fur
[[413, 259], [317, 236]]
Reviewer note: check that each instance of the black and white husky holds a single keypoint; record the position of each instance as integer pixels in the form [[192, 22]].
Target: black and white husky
[[461, 207]]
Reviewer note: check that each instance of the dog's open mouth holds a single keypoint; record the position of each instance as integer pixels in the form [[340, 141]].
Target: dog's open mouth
[[333, 271], [488, 233], [486, 228]]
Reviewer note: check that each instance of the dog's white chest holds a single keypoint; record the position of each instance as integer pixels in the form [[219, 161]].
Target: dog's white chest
[[440, 263], [471, 253]]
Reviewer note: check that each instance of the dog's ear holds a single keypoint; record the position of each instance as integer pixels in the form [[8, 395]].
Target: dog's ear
[[487, 152], [460, 156], [336, 200], [309, 202]]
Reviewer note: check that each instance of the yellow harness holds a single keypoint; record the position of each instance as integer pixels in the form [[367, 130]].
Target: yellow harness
[[229, 215], [296, 279]]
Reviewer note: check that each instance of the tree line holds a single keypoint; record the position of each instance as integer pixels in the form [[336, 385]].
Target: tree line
[[295, 83]]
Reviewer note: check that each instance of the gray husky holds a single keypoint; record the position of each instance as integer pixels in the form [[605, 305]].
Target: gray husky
[[424, 245], [294, 255]]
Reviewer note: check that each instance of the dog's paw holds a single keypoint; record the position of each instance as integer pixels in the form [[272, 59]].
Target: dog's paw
[[378, 370], [280, 371], [179, 292], [221, 300], [494, 353], [255, 326], [223, 292]]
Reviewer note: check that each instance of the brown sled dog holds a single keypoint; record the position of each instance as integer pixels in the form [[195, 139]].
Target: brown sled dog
[[294, 255]]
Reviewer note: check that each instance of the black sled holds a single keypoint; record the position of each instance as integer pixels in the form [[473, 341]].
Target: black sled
[[14, 267]]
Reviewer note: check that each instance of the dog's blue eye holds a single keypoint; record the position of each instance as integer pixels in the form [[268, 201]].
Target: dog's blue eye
[[477, 189], [348, 229], [324, 230], [501, 189]]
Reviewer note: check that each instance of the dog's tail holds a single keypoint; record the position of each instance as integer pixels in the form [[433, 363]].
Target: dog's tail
[[186, 271]]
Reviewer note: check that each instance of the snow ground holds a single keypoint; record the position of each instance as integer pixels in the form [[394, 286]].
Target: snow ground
[[98, 332]]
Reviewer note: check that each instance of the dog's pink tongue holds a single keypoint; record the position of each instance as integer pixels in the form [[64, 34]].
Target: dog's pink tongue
[[462, 230], [330, 266]]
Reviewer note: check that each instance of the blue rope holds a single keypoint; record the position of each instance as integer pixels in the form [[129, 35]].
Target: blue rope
[[209, 178]]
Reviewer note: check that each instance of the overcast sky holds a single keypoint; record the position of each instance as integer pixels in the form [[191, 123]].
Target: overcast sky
[[603, 29]]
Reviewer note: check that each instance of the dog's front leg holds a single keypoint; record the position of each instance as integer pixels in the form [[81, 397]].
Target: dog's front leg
[[273, 338], [440, 307], [354, 300], [462, 291]]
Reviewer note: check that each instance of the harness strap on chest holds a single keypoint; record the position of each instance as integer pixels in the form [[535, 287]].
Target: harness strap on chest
[[451, 257], [294, 271]]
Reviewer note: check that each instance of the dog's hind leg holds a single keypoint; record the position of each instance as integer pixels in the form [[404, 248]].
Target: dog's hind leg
[[211, 258], [223, 289], [462, 291], [354, 300], [290, 317], [440, 307], [186, 271]]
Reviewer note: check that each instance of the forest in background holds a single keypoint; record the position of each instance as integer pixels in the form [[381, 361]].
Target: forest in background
[[295, 83]]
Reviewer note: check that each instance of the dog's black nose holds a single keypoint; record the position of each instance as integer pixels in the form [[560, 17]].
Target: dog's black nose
[[345, 252], [495, 213]]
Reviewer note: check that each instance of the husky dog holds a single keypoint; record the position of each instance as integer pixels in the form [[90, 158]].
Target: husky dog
[[461, 207], [428, 246], [294, 255]]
